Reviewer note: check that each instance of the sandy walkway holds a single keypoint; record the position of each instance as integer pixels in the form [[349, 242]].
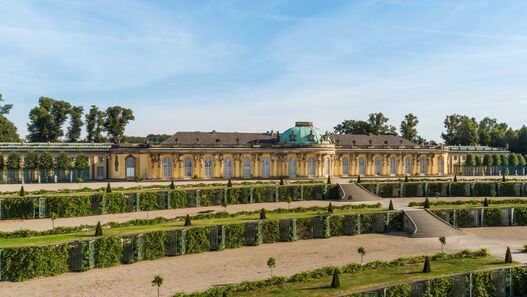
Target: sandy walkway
[[200, 271]]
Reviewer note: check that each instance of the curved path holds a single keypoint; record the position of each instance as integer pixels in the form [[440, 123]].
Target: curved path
[[357, 193], [429, 226]]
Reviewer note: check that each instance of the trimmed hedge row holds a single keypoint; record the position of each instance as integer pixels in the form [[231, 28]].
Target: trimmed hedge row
[[120, 202], [478, 217], [18, 264], [447, 189]]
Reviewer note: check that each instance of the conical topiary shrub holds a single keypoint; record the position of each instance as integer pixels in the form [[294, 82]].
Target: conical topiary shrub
[[406, 178], [503, 178], [358, 179], [172, 186], [108, 188], [427, 203], [188, 223], [390, 207], [455, 178], [263, 215], [22, 192], [229, 183], [486, 202], [335, 281], [426, 267], [329, 180], [98, 229], [282, 181], [330, 208], [508, 256]]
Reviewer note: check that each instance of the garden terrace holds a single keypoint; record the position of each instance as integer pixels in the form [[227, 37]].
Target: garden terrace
[[64, 205], [396, 275], [22, 258]]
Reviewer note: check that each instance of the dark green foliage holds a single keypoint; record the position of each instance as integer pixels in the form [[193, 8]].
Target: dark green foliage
[[197, 241], [114, 203], [148, 201], [179, 199], [358, 179], [455, 178], [406, 178], [402, 290], [188, 222], [503, 178], [519, 280], [229, 183], [482, 284], [330, 208], [154, 245], [427, 268], [492, 217], [427, 203], [263, 215], [390, 207], [486, 202], [304, 228], [19, 264], [98, 229], [482, 189], [271, 231], [22, 192], [441, 287], [328, 181], [108, 251], [335, 281], [108, 188], [508, 256], [172, 186], [234, 236], [70, 206], [336, 225], [282, 181], [367, 221]]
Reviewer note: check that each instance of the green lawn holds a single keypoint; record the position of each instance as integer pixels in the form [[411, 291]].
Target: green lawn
[[376, 277], [61, 238]]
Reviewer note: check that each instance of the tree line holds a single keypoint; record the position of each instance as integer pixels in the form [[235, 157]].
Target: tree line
[[47, 121], [459, 130], [44, 161], [513, 159]]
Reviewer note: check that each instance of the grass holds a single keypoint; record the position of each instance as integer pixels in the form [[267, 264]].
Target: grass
[[352, 282], [84, 235]]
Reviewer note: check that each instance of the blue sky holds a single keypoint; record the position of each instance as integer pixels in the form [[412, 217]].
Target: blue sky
[[261, 65]]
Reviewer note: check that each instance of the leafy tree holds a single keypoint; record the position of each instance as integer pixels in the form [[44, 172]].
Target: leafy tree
[[22, 192], [63, 161], [47, 119], [45, 161], [4, 108], [95, 125], [13, 161], [504, 160], [335, 281], [31, 160], [289, 199], [81, 161], [224, 204], [271, 263], [496, 159], [427, 267], [442, 240], [157, 282], [362, 252], [263, 215], [188, 223], [513, 159], [485, 128], [76, 123], [460, 130], [408, 127], [488, 160], [478, 160], [8, 131], [470, 160], [117, 118], [352, 127], [508, 256], [521, 160], [379, 125], [98, 229], [108, 188]]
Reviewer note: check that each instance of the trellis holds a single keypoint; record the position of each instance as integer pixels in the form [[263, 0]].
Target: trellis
[[217, 238], [175, 244], [351, 225], [321, 227], [288, 230], [253, 233]]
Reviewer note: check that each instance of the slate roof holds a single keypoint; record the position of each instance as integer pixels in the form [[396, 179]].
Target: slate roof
[[376, 140], [220, 138]]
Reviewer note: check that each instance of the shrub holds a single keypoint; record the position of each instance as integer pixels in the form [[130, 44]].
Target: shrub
[[234, 236], [426, 266], [390, 207], [154, 245], [24, 263], [108, 251], [172, 186], [263, 215], [335, 281], [508, 256], [402, 290], [197, 241], [427, 203], [486, 202], [229, 183], [98, 229], [108, 188], [330, 208], [188, 222], [22, 192], [271, 231]]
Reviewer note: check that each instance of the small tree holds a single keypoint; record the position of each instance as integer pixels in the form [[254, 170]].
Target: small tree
[[98, 229], [172, 186], [426, 267], [329, 180], [224, 204], [188, 223], [289, 199], [263, 215], [335, 282], [390, 207], [22, 192], [427, 203], [282, 181], [508, 256], [53, 216], [108, 188], [157, 282], [437, 195], [442, 240], [455, 178], [330, 208], [229, 183], [406, 178], [271, 263], [362, 252], [486, 202]]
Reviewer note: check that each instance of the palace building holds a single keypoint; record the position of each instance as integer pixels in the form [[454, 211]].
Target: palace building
[[302, 151]]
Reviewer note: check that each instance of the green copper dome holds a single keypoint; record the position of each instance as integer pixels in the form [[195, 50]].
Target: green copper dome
[[303, 133]]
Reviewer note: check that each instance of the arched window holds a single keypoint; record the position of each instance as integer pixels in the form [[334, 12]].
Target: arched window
[[130, 167], [292, 167], [345, 166], [423, 164], [167, 168], [441, 166], [408, 165], [327, 164], [188, 167], [227, 168], [377, 165], [265, 167], [393, 166], [208, 167], [312, 167], [247, 167], [362, 166]]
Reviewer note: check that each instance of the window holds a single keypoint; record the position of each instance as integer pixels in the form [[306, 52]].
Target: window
[[327, 164], [101, 159], [377, 164], [345, 166], [208, 167], [393, 166], [423, 164], [227, 168], [167, 168], [265, 167], [312, 167], [247, 167], [130, 167], [100, 172], [292, 167], [408, 165], [362, 166], [187, 164], [441, 166]]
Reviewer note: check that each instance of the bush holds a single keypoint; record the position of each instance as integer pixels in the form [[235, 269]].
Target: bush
[[114, 203], [70, 206], [188, 222], [108, 251], [197, 241], [271, 231], [335, 281], [426, 266], [154, 245], [402, 290], [234, 236], [19, 264], [98, 229], [148, 201]]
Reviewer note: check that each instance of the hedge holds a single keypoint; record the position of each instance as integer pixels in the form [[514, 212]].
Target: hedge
[[476, 217], [18, 264], [75, 205]]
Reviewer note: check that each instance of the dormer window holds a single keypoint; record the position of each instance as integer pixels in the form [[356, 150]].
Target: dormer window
[[386, 142], [292, 137], [311, 136], [197, 140], [217, 141]]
